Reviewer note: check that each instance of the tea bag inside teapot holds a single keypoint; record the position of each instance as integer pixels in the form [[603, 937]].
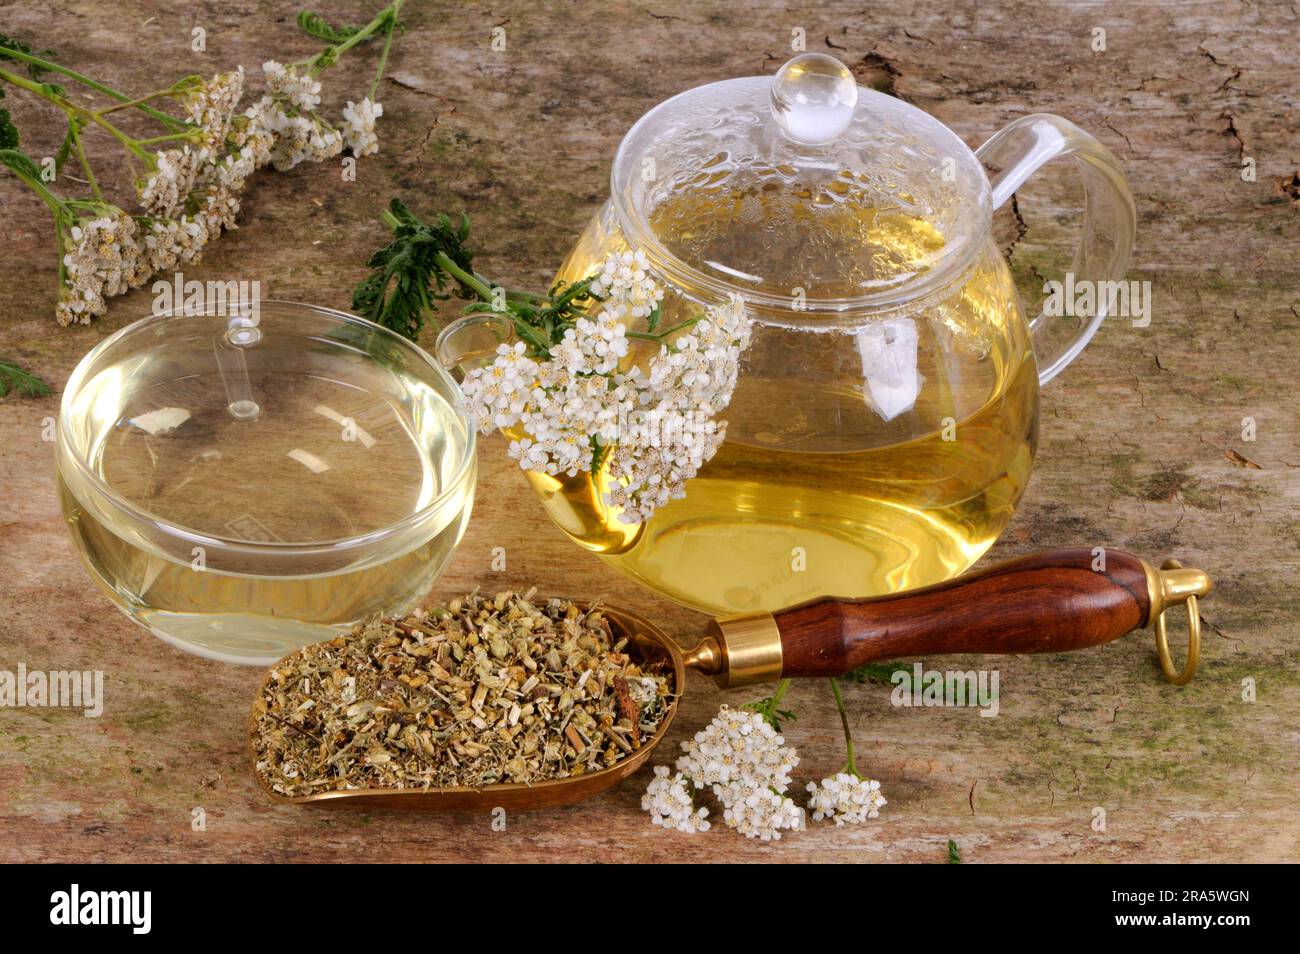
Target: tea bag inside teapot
[[890, 379]]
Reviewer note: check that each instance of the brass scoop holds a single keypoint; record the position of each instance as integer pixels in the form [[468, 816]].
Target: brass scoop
[[1049, 602]]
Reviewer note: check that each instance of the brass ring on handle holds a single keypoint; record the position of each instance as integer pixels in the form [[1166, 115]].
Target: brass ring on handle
[[1193, 639]]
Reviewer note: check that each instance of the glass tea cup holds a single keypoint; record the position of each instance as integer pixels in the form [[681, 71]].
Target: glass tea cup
[[245, 485]]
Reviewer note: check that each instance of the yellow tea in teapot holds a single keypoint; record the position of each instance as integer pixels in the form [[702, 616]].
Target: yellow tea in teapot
[[883, 419], [862, 456]]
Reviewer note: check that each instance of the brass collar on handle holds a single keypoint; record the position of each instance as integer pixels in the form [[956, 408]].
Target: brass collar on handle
[[739, 650]]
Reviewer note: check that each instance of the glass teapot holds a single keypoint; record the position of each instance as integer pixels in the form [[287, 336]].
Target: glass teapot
[[885, 418]]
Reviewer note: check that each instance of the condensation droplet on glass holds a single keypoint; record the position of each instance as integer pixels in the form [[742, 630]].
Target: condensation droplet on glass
[[813, 98]]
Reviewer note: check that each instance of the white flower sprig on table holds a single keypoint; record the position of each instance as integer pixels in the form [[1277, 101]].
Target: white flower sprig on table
[[845, 798], [194, 173], [287, 114], [744, 761], [585, 404], [738, 751], [671, 804], [359, 126], [747, 766], [102, 259]]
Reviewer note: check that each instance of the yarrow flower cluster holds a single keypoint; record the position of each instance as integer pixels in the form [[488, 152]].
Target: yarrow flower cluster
[[625, 279], [736, 752], [193, 191], [763, 813], [167, 186], [291, 88], [846, 798], [209, 171], [212, 106], [587, 404], [102, 258], [359, 126], [746, 765], [288, 115], [669, 801], [190, 189]]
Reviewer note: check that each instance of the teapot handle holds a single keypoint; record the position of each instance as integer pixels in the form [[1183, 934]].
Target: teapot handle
[[1016, 152]]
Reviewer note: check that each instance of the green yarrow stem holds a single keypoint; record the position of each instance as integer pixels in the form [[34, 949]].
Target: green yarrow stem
[[8, 51], [424, 259], [74, 137], [78, 113], [770, 708], [66, 212], [342, 39], [851, 762], [393, 26]]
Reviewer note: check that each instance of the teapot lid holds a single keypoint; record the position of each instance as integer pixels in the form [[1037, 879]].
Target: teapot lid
[[801, 191]]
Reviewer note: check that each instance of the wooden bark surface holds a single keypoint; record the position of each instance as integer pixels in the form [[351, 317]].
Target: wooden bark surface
[[1141, 439]]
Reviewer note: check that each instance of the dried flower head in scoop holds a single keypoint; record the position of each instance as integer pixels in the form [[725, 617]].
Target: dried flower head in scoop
[[486, 690]]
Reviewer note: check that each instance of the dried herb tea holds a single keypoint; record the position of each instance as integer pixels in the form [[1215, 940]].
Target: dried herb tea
[[485, 690]]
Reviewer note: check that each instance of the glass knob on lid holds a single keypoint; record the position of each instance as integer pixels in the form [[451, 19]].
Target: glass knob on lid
[[853, 194], [813, 98]]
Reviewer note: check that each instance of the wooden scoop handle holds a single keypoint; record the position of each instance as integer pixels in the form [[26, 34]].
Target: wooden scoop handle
[[1049, 602]]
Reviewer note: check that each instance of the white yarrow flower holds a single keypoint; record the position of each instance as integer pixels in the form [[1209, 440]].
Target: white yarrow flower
[[212, 106], [163, 191], [670, 803], [207, 170], [282, 128], [359, 126], [251, 132], [100, 259], [847, 799], [286, 83], [747, 765], [586, 404], [165, 243]]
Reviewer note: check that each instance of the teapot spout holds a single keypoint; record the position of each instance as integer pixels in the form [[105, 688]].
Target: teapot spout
[[578, 506], [470, 342], [576, 503]]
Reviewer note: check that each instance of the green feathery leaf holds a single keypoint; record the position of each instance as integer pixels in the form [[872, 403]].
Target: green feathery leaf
[[19, 162], [313, 24], [14, 378], [872, 672], [8, 131], [769, 709], [407, 276], [34, 70]]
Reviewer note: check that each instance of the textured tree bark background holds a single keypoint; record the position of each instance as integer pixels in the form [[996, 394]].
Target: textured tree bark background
[[1141, 440]]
